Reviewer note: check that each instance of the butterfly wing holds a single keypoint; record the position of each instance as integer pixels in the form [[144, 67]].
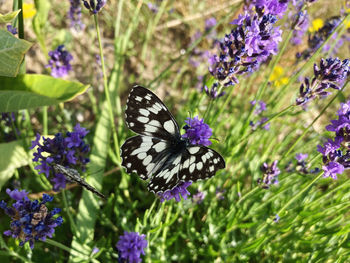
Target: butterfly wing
[[195, 163], [147, 115], [144, 155]]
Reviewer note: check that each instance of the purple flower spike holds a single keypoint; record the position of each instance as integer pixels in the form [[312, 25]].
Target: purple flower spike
[[131, 245], [330, 74], [180, 189], [197, 132], [198, 197], [69, 151], [270, 173], [74, 15], [94, 6], [301, 157], [60, 62], [31, 220], [11, 29]]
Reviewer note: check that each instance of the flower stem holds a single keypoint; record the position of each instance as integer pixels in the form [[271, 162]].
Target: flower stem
[[72, 223], [20, 20], [105, 84], [45, 129]]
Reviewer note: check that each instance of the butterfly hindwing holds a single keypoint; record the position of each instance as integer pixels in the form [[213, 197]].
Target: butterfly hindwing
[[147, 115], [143, 154], [195, 163]]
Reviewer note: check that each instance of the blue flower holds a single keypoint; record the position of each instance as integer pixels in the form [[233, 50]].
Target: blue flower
[[301, 156], [31, 220], [131, 245], [60, 62], [11, 29], [197, 132], [330, 146], [332, 169], [180, 189], [69, 150]]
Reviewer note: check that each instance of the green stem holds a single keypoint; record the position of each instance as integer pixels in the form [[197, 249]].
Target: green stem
[[290, 149], [20, 20], [63, 247], [45, 126], [71, 220], [105, 83], [262, 87], [295, 197]]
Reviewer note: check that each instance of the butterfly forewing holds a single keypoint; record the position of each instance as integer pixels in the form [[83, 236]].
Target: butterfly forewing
[[147, 115], [144, 154]]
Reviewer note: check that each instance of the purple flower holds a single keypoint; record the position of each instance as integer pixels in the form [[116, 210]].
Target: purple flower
[[301, 157], [332, 169], [277, 218], [331, 74], [17, 195], [69, 150], [197, 132], [180, 189], [31, 220], [153, 7], [300, 27], [330, 146], [209, 23], [11, 29], [220, 193], [273, 7], [60, 62], [336, 154], [74, 15], [94, 6], [198, 197], [270, 173], [131, 245], [249, 44], [95, 250], [213, 92], [260, 108]]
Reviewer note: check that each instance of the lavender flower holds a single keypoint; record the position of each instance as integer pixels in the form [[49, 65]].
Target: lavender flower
[[336, 155], [219, 193], [259, 109], [300, 26], [11, 29], [197, 132], [198, 197], [273, 7], [131, 245], [74, 15], [249, 44], [213, 91], [31, 220], [301, 157], [270, 174], [60, 62], [331, 74], [181, 188], [153, 7], [94, 6], [69, 150]]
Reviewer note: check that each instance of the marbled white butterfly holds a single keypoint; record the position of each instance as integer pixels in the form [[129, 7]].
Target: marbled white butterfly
[[159, 153]]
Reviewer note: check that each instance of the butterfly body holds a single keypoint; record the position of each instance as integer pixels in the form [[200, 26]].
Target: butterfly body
[[159, 153]]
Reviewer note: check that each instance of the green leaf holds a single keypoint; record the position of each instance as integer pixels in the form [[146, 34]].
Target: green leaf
[[13, 155], [7, 18], [88, 206], [12, 51], [31, 91]]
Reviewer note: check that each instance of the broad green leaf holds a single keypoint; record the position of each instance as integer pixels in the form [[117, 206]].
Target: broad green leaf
[[12, 51], [7, 18], [31, 91], [13, 155]]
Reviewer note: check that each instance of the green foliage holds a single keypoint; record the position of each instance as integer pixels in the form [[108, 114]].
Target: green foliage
[[32, 90], [12, 51], [7, 18]]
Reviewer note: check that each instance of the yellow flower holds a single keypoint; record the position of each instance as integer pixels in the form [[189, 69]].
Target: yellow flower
[[316, 25], [277, 77], [28, 10], [277, 73]]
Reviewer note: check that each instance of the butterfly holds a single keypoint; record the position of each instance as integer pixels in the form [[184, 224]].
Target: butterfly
[[159, 153], [73, 175]]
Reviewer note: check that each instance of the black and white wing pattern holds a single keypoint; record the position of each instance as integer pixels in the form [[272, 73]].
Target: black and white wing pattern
[[159, 153]]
